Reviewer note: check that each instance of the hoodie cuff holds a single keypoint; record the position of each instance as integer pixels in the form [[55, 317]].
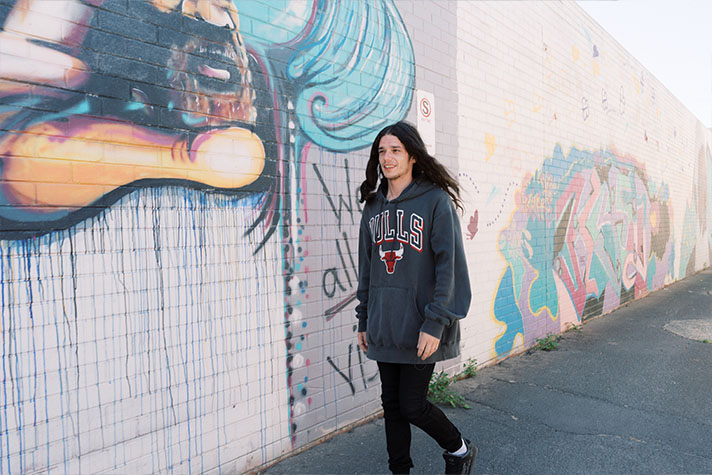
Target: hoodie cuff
[[433, 328], [362, 325]]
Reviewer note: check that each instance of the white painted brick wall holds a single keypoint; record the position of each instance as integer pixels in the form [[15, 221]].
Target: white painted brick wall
[[155, 334]]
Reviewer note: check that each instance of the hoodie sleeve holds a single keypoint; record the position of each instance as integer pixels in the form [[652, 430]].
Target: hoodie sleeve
[[452, 294], [364, 273]]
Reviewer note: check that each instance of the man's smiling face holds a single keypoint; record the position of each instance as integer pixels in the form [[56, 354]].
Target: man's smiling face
[[395, 162]]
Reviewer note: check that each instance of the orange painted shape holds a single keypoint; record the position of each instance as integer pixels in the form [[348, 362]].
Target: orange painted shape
[[23, 193], [94, 157], [102, 173], [53, 171], [63, 195], [166, 5]]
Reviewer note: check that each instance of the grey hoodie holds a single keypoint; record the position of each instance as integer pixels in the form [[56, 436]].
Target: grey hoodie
[[412, 274]]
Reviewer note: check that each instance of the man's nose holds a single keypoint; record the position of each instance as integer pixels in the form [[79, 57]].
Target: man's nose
[[217, 12]]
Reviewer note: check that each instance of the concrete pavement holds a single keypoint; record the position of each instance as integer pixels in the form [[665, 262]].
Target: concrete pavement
[[628, 393]]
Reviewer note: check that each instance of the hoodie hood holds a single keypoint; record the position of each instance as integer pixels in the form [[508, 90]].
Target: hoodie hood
[[417, 187]]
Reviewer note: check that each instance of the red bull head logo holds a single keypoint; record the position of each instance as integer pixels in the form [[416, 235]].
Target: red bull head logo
[[390, 258]]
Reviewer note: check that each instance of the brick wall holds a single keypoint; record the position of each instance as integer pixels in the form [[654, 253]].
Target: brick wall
[[178, 208]]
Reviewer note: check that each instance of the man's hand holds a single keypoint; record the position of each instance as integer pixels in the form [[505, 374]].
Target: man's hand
[[362, 343], [427, 345]]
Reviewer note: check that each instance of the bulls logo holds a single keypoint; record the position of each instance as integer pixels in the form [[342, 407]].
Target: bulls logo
[[390, 258]]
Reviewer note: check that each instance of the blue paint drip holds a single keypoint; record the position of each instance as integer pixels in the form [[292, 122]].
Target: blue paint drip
[[113, 348], [4, 359], [20, 425], [59, 363], [196, 374], [28, 280], [186, 202], [44, 359]]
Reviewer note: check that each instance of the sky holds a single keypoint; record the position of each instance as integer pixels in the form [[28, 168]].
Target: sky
[[672, 39]]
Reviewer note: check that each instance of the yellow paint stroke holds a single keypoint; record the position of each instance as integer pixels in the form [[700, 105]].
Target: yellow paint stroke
[[538, 102], [596, 68], [575, 53], [509, 112], [490, 145]]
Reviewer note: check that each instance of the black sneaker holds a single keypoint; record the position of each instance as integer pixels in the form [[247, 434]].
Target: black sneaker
[[463, 464]]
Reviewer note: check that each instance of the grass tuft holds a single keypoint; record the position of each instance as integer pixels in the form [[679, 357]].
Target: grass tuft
[[548, 343], [440, 392]]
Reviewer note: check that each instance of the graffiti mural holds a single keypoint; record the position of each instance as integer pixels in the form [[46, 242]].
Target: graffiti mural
[[590, 225], [156, 162], [696, 239]]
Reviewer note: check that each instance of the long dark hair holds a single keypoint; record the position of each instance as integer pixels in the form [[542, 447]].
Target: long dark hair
[[425, 164]]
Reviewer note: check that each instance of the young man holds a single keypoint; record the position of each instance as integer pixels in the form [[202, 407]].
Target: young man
[[413, 288]]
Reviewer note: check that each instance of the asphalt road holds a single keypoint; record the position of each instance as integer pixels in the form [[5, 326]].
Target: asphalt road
[[628, 393]]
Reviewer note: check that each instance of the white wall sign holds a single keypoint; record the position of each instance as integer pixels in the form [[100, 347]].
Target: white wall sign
[[426, 119]]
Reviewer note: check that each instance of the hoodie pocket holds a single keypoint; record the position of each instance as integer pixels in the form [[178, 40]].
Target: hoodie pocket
[[393, 318]]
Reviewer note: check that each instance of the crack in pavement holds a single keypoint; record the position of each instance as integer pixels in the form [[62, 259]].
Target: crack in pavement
[[603, 400], [536, 422], [529, 421]]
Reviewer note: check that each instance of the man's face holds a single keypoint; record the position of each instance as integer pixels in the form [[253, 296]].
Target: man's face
[[395, 162]]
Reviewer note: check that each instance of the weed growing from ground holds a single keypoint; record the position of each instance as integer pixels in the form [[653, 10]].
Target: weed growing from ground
[[548, 343], [469, 369], [440, 392]]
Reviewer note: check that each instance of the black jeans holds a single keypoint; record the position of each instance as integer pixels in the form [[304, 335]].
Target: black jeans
[[404, 391]]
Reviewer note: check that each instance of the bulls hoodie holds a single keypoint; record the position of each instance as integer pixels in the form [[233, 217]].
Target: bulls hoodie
[[412, 274]]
